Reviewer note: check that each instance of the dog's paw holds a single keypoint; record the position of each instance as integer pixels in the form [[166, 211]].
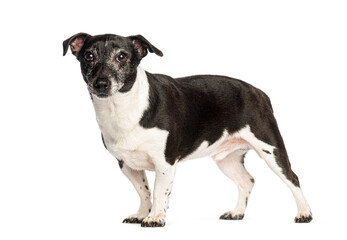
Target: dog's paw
[[136, 218], [231, 216], [157, 221], [303, 217], [133, 220]]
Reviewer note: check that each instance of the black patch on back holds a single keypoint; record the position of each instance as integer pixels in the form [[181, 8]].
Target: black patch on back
[[199, 108]]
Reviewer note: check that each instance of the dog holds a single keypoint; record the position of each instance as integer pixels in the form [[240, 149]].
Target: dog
[[152, 122]]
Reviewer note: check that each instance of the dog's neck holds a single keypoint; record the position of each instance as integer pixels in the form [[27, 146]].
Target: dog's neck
[[123, 111]]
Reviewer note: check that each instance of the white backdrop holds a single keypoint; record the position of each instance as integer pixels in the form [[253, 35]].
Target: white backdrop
[[58, 182]]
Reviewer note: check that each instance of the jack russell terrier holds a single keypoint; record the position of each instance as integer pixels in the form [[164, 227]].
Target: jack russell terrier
[[153, 121]]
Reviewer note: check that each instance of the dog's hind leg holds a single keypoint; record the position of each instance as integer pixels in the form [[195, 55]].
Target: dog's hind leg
[[232, 166], [139, 180], [277, 159]]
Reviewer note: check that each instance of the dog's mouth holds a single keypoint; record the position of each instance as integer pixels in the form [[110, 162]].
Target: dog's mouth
[[101, 95], [98, 94]]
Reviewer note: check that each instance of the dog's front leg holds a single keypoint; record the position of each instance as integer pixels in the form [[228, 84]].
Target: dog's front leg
[[164, 176], [139, 180]]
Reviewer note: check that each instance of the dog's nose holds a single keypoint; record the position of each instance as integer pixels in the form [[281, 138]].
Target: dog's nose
[[101, 84]]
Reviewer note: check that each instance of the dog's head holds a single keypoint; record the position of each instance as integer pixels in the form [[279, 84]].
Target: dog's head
[[109, 62]]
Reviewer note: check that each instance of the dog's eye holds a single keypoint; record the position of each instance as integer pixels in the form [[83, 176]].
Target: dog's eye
[[89, 57], [122, 58]]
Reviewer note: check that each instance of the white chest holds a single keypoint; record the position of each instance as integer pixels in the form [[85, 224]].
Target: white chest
[[139, 148], [118, 118]]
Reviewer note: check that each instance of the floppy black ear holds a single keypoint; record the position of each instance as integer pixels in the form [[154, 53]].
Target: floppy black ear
[[75, 42], [141, 44]]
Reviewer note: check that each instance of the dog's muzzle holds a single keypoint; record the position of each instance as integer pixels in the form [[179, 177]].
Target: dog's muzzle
[[101, 87]]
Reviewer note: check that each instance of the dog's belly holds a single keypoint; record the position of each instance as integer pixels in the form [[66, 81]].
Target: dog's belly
[[225, 145], [138, 148]]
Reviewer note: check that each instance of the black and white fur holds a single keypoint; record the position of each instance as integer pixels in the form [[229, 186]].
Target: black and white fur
[[152, 122]]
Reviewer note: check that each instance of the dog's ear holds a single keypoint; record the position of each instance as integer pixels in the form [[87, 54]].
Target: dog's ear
[[75, 42], [141, 44]]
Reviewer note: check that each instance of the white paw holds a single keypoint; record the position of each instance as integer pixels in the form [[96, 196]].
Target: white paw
[[232, 216], [303, 217], [157, 221], [136, 218]]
